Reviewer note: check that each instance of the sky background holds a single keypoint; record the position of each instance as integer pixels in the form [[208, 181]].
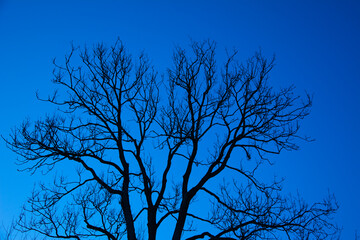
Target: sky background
[[316, 43]]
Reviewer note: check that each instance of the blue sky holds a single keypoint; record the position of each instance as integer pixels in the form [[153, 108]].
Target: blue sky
[[316, 44]]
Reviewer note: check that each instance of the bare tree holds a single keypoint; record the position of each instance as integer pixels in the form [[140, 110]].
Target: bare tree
[[149, 153]]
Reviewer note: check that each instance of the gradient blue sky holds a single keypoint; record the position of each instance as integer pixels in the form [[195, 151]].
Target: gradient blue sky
[[317, 46]]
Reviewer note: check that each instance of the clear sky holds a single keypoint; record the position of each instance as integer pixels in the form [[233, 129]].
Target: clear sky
[[317, 46]]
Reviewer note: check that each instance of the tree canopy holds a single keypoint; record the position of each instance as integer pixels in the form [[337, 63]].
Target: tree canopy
[[179, 152]]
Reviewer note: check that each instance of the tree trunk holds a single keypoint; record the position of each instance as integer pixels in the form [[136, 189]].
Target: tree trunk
[[152, 228], [125, 204], [181, 219]]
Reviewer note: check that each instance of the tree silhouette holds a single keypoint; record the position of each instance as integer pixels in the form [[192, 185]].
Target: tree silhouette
[[180, 151]]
